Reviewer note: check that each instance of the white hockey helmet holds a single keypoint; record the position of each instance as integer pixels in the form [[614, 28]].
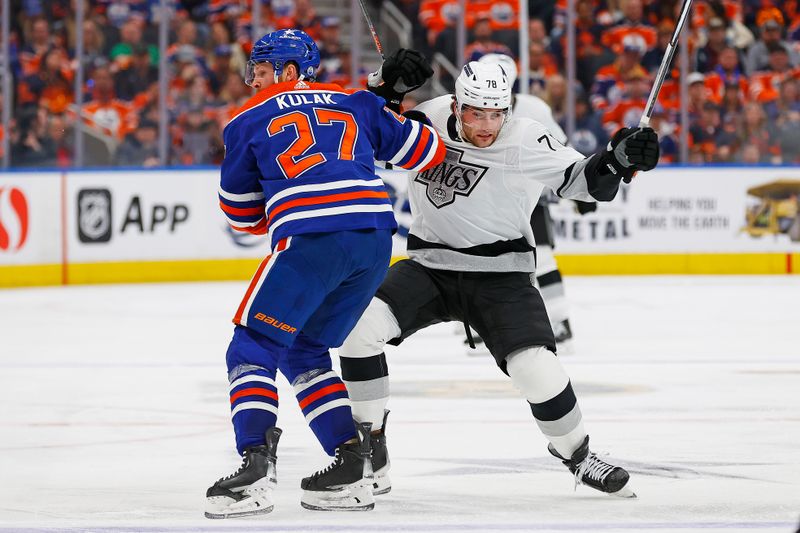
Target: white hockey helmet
[[506, 62], [482, 86]]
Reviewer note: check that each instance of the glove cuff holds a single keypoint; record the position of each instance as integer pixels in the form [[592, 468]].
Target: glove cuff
[[392, 98]]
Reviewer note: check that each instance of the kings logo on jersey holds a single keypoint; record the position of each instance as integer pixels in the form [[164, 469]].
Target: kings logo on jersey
[[450, 178]]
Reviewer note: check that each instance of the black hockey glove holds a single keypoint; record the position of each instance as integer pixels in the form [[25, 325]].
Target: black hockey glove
[[585, 207], [400, 73], [634, 149], [419, 116]]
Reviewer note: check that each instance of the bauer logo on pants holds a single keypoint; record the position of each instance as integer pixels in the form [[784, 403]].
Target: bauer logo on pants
[[94, 215]]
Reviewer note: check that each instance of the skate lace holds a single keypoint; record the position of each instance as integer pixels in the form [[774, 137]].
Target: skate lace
[[336, 460], [593, 468], [241, 468]]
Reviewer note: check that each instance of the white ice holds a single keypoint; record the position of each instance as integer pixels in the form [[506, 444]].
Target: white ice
[[114, 415]]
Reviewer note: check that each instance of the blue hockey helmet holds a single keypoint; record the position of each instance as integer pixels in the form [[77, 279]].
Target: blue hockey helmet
[[281, 46]]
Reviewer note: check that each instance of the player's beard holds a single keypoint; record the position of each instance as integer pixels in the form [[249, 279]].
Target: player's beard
[[480, 137]]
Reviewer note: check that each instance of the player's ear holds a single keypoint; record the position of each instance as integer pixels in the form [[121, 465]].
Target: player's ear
[[292, 72]]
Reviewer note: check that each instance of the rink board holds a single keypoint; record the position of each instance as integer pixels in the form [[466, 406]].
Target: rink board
[[165, 225]]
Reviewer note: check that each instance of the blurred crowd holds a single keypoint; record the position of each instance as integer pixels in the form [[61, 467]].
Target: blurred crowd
[[743, 98]]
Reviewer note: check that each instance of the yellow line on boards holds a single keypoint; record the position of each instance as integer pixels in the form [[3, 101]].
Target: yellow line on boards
[[243, 269]]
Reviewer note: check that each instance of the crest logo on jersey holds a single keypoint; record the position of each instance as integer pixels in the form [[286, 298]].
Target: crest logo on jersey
[[450, 178]]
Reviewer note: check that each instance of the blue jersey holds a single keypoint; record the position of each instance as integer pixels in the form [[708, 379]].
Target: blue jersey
[[300, 159]]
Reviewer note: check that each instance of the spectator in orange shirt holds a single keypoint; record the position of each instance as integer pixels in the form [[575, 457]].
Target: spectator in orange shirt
[[727, 72], [609, 79], [436, 15], [51, 86], [38, 40], [589, 50], [105, 111], [627, 111], [765, 84], [632, 23]]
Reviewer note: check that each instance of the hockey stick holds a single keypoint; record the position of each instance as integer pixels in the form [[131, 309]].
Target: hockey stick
[[375, 38], [664, 67]]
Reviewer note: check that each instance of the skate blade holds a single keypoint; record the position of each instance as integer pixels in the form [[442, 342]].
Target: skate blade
[[624, 492], [346, 499], [381, 486], [219, 507]]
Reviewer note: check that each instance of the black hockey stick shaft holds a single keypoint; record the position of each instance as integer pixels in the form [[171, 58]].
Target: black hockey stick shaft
[[666, 61], [375, 38]]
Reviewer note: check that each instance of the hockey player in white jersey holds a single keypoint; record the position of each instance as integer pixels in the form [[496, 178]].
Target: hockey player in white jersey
[[548, 276], [471, 251]]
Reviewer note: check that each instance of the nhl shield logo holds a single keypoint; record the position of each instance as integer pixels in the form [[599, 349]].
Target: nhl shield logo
[[450, 178], [94, 215]]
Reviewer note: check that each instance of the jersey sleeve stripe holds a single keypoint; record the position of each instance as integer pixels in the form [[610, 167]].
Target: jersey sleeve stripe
[[242, 211], [420, 150], [431, 151], [257, 228], [410, 141], [435, 155], [245, 197]]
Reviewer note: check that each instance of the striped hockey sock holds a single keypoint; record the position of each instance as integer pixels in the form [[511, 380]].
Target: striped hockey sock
[[324, 402], [254, 407]]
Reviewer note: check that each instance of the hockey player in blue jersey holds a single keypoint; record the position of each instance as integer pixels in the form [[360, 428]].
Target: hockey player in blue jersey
[[299, 168]]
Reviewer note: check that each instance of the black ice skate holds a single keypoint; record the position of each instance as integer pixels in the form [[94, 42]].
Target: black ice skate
[[381, 484], [248, 491], [592, 471], [345, 484]]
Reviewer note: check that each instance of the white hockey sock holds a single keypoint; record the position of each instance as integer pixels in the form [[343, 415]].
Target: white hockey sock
[[537, 373]]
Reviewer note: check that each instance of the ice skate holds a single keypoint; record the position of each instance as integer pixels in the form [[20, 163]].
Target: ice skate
[[592, 471], [381, 483], [248, 491], [563, 333], [345, 484]]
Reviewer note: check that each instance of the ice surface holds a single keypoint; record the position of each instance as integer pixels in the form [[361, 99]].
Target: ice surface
[[114, 415]]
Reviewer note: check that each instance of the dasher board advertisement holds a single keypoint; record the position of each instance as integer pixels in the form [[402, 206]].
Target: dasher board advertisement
[[690, 210], [30, 218], [151, 215]]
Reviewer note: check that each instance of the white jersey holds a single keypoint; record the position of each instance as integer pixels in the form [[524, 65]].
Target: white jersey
[[530, 106], [472, 211]]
